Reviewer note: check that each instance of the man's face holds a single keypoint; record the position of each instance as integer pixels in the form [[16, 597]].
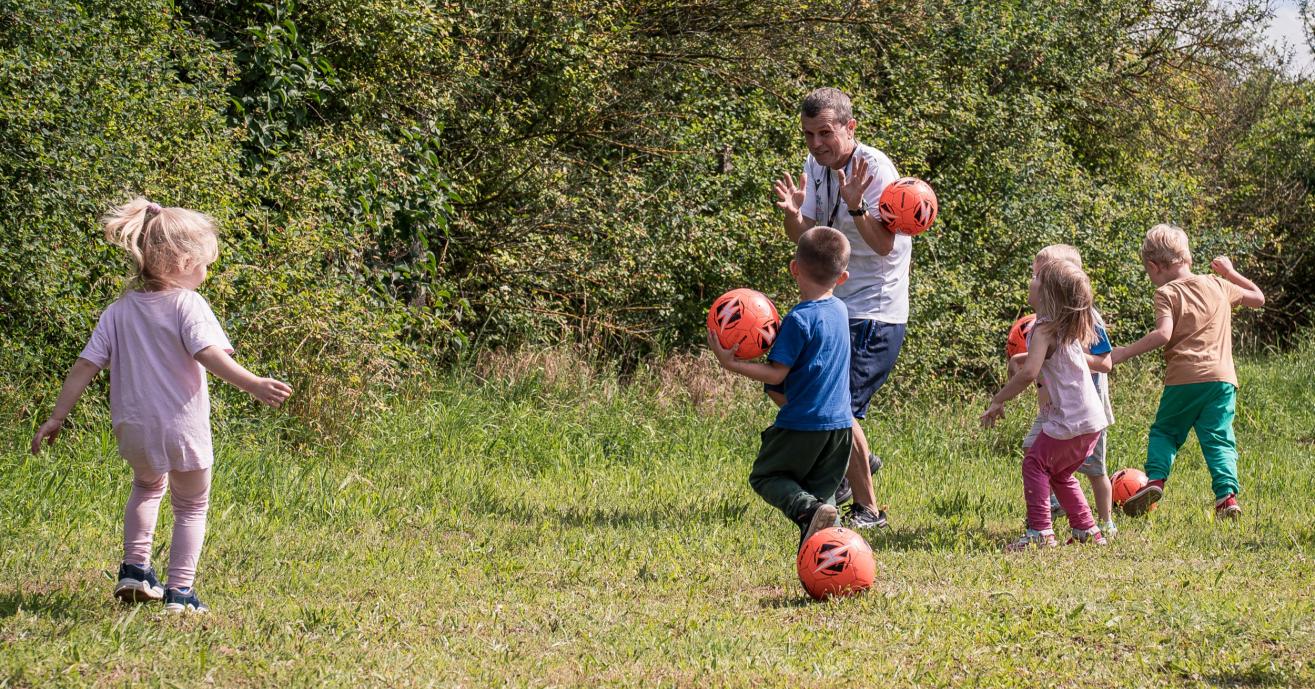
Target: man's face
[[829, 141]]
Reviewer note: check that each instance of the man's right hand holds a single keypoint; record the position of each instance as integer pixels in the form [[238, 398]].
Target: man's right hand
[[790, 197]]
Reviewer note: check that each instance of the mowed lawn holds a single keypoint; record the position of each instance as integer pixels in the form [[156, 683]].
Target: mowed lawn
[[558, 529]]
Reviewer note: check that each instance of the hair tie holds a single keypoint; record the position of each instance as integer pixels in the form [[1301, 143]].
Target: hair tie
[[153, 207]]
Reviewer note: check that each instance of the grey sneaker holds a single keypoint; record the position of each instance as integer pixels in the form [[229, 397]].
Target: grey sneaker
[[821, 516], [845, 493], [859, 517]]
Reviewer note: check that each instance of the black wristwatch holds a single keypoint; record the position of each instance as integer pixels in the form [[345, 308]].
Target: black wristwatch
[[861, 211]]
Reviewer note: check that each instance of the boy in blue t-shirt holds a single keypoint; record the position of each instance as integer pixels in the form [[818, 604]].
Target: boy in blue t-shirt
[[805, 452]]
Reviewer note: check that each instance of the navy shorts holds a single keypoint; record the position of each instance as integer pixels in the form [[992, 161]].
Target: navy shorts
[[873, 348]]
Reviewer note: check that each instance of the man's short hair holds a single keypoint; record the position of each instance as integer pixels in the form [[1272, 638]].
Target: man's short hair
[[822, 254], [1166, 245], [831, 99]]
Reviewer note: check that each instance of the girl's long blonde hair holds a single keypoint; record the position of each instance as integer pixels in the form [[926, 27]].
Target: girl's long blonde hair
[[1064, 299], [160, 241]]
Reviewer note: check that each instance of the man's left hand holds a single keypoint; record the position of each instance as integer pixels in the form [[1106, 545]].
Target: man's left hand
[[854, 185]]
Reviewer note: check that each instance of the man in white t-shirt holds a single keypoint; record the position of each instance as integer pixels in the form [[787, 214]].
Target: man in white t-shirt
[[840, 187]]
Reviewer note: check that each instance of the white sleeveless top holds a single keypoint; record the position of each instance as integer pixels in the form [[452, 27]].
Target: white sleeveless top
[[1075, 407]]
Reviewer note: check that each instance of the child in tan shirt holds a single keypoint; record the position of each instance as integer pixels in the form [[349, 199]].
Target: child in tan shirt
[[1193, 322]]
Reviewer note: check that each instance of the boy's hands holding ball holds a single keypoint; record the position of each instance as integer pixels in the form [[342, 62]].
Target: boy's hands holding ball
[[724, 355]]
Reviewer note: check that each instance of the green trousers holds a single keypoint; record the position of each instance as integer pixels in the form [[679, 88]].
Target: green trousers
[[795, 469], [1208, 408]]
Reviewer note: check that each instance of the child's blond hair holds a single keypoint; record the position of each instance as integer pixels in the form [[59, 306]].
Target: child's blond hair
[[1058, 252], [1166, 245], [1064, 299], [161, 241]]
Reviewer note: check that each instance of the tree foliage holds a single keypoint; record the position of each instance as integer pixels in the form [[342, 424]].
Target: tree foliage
[[402, 182]]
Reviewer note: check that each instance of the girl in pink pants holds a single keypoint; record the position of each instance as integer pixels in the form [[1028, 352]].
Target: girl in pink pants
[[157, 340], [1072, 419]]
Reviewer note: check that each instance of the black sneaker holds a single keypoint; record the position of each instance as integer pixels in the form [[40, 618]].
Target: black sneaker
[[844, 493], [183, 600], [137, 584], [859, 517]]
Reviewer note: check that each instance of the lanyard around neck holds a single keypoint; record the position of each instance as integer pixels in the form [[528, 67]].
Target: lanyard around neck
[[835, 200]]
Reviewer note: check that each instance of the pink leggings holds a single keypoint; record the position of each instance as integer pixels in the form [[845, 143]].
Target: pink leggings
[[189, 494], [1048, 466]]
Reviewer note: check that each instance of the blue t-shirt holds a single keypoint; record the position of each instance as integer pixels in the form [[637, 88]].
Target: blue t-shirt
[[1101, 347], [814, 343]]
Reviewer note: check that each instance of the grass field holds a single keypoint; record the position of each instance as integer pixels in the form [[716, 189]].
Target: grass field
[[552, 528]]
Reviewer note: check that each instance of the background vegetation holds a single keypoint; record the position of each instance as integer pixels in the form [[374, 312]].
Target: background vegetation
[[403, 183], [411, 189]]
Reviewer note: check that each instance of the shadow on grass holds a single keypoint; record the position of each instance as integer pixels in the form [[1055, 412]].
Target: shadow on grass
[[786, 600], [53, 605], [948, 538], [664, 516], [1253, 676]]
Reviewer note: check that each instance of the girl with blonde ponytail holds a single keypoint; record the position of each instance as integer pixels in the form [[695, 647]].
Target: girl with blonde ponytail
[[1073, 416], [158, 340]]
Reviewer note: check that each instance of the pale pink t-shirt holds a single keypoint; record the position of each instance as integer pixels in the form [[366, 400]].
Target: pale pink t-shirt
[[159, 400], [1074, 408]]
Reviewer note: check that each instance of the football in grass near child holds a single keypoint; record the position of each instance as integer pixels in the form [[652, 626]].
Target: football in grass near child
[[1125, 483], [908, 206], [835, 562], [747, 318]]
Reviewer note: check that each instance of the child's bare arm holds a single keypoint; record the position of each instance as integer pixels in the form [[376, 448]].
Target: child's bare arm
[[267, 390], [1026, 374], [771, 372], [1153, 340], [1103, 363], [1251, 294], [75, 383]]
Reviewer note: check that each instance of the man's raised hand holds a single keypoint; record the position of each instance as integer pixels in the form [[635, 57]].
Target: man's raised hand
[[854, 185], [790, 198]]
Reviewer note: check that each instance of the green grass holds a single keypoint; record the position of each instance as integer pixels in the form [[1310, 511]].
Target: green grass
[[555, 530]]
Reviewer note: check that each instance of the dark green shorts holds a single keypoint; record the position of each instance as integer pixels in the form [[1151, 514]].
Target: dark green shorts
[[795, 469]]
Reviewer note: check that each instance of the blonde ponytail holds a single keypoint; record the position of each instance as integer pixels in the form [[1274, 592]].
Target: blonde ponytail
[[160, 241]]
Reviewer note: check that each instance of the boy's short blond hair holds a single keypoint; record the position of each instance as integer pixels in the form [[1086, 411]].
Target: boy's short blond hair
[[823, 254], [1059, 252], [1166, 245]]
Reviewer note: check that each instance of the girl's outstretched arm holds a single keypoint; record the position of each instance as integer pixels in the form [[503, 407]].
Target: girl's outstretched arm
[[1025, 374], [75, 383], [267, 390]]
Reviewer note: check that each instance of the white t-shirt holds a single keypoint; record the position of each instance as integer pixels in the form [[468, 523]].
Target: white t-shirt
[[878, 286]]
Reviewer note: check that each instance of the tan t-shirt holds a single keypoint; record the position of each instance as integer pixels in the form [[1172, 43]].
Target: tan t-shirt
[[1201, 347]]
